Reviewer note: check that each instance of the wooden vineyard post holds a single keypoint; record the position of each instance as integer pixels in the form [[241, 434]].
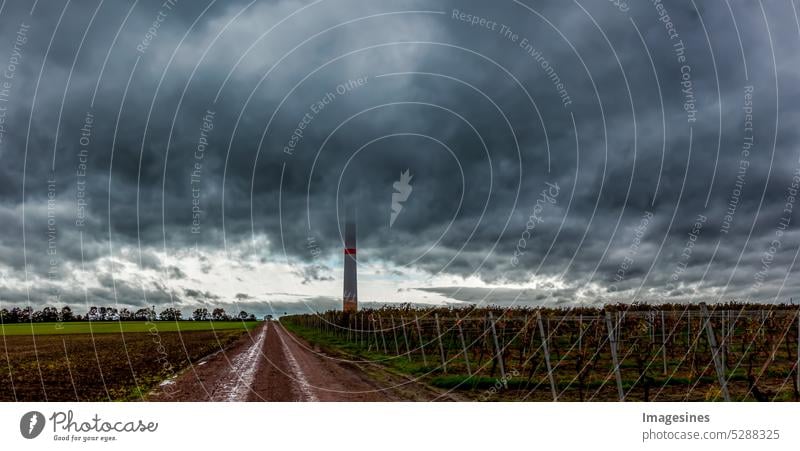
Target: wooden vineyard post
[[394, 333], [441, 346], [723, 342], [775, 349], [405, 337], [712, 341], [363, 331], [463, 344], [375, 333], [524, 350], [731, 327], [421, 342], [383, 338], [546, 351], [499, 352], [613, 342], [664, 342], [368, 337]]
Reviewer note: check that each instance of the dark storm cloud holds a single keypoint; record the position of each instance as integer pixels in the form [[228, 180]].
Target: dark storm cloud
[[474, 116], [314, 273], [200, 295]]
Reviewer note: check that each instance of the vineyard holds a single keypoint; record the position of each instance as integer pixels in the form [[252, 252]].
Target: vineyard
[[735, 352]]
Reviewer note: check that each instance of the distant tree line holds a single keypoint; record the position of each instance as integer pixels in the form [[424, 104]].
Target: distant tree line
[[53, 314]]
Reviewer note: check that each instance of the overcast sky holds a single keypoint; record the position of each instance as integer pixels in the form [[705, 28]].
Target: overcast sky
[[205, 153]]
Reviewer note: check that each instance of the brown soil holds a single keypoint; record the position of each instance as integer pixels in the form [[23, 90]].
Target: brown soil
[[100, 367]]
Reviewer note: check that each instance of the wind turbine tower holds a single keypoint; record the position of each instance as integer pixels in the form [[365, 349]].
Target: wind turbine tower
[[350, 301]]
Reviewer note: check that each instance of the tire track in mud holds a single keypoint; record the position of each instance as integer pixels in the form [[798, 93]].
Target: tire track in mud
[[236, 386], [306, 392]]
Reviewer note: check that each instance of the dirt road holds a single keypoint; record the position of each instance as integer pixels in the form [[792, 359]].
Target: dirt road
[[270, 364]]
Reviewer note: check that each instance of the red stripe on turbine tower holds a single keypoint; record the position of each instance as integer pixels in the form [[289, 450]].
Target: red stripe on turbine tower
[[350, 298]]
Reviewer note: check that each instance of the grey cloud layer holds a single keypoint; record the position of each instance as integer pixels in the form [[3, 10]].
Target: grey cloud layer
[[472, 192]]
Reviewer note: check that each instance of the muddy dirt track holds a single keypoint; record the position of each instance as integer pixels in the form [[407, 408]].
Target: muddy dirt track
[[271, 364]]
